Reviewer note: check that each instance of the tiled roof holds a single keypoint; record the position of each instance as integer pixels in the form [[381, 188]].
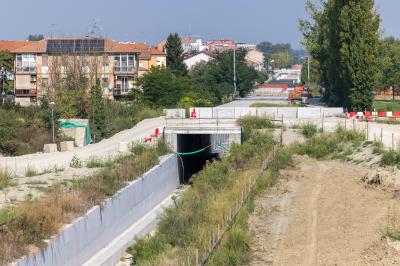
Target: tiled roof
[[11, 45], [32, 47], [156, 52], [110, 47]]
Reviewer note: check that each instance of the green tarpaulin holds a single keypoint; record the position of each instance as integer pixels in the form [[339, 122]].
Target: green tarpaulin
[[66, 124]]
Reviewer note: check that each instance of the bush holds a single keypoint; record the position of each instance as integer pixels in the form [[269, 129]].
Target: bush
[[76, 162], [390, 158], [250, 123], [309, 130]]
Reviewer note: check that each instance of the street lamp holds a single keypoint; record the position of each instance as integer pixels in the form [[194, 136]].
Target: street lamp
[[52, 105]]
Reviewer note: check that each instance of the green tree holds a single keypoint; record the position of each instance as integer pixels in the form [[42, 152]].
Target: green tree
[[175, 58], [389, 65], [98, 118], [281, 59], [35, 37], [215, 77], [6, 66], [163, 88], [343, 37]]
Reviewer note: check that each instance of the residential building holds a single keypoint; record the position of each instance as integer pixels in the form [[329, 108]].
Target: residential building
[[193, 46], [247, 46], [255, 59], [195, 59], [38, 63], [220, 45]]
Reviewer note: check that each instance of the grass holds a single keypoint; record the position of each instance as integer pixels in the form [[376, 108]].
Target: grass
[[392, 230], [200, 209], [188, 224], [390, 158], [251, 123], [30, 171], [377, 147], [275, 105], [33, 221], [388, 122], [6, 178], [309, 130], [386, 105]]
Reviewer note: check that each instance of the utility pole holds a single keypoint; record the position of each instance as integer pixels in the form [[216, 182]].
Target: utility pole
[[308, 72], [234, 71]]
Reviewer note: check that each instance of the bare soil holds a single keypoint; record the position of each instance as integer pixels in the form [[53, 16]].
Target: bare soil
[[320, 213]]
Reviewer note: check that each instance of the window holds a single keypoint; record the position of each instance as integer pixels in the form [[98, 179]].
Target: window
[[26, 63], [124, 63], [33, 79]]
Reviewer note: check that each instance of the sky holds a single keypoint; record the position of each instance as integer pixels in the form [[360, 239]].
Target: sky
[[150, 21]]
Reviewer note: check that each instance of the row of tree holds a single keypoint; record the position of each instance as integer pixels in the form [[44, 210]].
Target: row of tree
[[280, 55], [208, 83]]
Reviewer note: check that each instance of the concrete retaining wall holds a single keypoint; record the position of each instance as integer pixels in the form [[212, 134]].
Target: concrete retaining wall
[[86, 236]]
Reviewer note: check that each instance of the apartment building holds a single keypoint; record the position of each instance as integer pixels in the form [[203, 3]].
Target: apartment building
[[116, 64]]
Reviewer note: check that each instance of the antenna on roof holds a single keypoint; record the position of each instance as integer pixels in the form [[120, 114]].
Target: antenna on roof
[[95, 29]]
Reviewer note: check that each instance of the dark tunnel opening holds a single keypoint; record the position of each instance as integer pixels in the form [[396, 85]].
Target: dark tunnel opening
[[193, 163]]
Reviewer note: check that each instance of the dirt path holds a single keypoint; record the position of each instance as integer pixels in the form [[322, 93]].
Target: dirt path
[[320, 214]]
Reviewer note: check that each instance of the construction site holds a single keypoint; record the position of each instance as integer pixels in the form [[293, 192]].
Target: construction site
[[319, 209]]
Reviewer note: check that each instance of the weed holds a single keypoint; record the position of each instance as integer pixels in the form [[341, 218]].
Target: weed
[[378, 147], [393, 225], [5, 178], [250, 123], [94, 162], [309, 130], [390, 158], [76, 162], [30, 171]]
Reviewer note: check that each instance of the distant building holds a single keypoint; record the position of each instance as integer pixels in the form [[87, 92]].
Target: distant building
[[220, 45], [195, 59], [116, 64], [247, 46], [193, 46], [255, 59]]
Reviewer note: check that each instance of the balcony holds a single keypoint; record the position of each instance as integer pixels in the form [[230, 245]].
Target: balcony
[[125, 70], [118, 92], [25, 92], [26, 70]]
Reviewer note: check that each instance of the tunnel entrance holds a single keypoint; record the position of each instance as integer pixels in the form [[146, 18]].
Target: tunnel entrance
[[193, 157]]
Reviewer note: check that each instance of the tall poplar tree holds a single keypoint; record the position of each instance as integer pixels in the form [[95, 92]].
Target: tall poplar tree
[[343, 37], [175, 58]]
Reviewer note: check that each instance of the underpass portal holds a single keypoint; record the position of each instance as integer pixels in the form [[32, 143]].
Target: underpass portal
[[195, 150]]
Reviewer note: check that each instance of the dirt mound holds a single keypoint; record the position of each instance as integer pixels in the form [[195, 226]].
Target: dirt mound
[[383, 252], [382, 178]]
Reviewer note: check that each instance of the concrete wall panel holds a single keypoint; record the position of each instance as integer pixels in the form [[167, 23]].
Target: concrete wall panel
[[245, 111], [224, 113], [309, 112], [174, 113], [87, 235], [287, 112], [271, 112], [332, 112]]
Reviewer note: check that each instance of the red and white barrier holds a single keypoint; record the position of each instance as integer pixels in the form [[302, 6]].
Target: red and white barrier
[[373, 115]]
